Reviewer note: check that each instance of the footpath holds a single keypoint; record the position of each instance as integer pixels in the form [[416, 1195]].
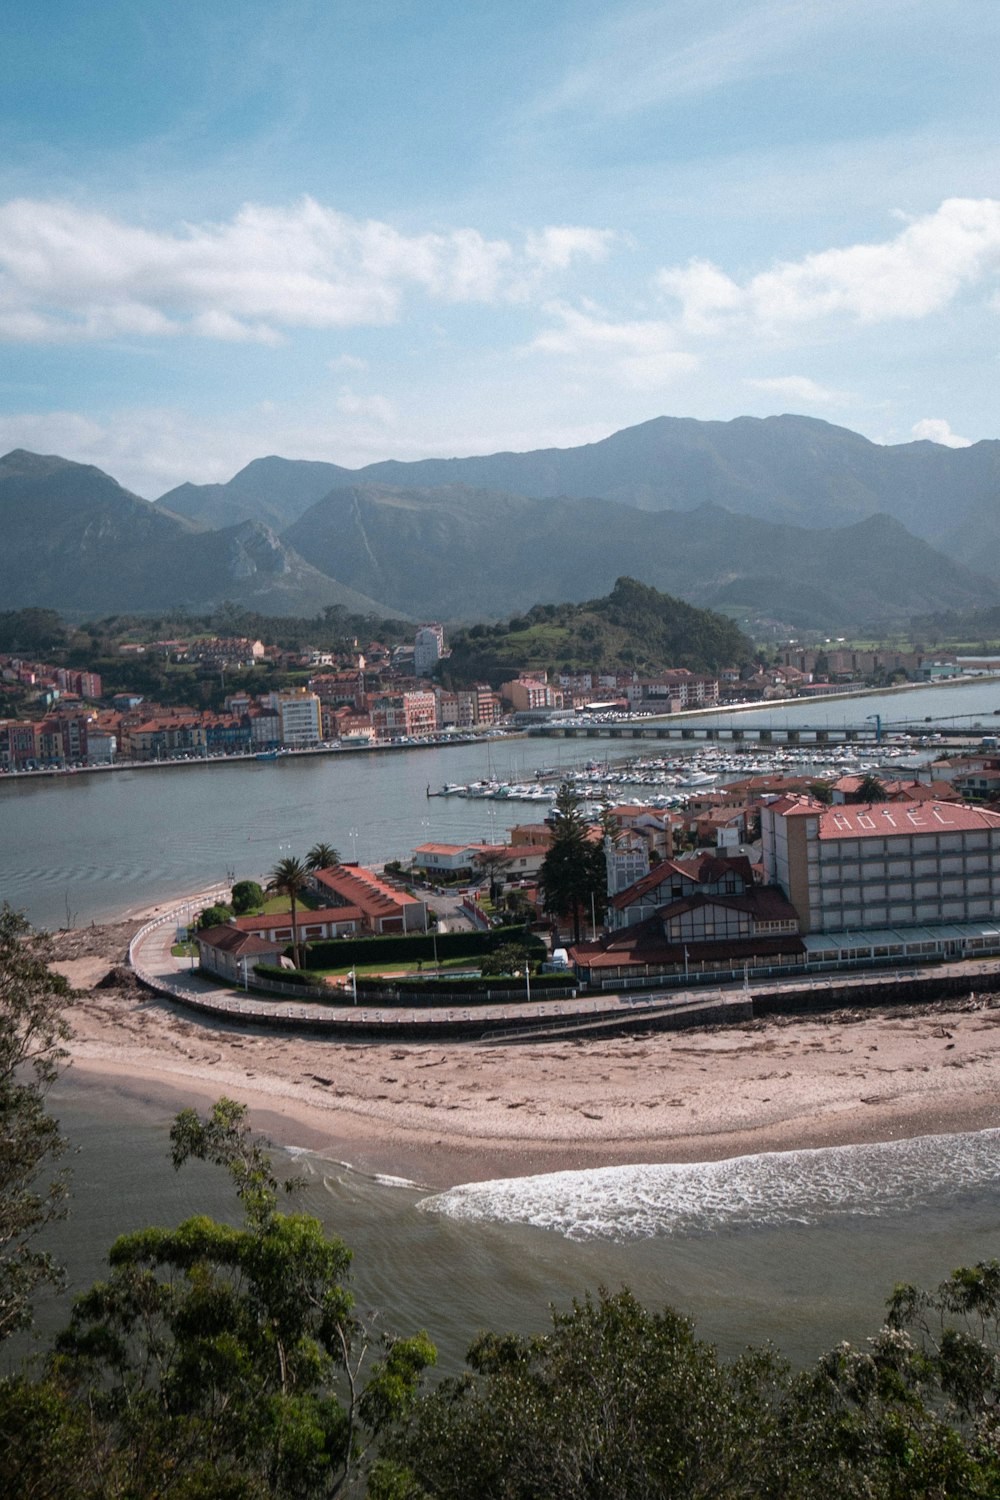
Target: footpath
[[177, 979]]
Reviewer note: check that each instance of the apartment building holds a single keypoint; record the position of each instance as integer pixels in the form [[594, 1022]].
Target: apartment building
[[884, 866], [299, 713]]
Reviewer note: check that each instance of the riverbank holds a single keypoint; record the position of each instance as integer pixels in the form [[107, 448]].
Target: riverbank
[[443, 1115]]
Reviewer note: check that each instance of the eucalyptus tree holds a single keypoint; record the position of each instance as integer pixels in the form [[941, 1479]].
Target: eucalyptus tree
[[33, 1030], [214, 1361]]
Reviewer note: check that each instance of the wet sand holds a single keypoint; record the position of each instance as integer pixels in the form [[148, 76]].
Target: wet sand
[[443, 1115]]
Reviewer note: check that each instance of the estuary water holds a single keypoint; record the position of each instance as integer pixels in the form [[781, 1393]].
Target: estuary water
[[801, 1248], [80, 848]]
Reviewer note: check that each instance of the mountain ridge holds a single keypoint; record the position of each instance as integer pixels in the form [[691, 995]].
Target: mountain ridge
[[786, 468]]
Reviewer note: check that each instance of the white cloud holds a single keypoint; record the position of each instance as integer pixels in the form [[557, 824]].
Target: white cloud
[[647, 55], [73, 274], [347, 362], [937, 430], [917, 272], [372, 408], [641, 353], [799, 388], [553, 249]]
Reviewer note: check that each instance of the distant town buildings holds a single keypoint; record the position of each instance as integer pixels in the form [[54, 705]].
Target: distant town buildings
[[428, 649]]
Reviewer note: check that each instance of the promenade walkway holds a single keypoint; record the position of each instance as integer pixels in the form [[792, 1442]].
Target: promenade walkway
[[583, 1015]]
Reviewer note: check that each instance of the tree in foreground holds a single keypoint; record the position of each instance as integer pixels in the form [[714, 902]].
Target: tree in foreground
[[32, 1194], [213, 1361], [290, 877], [573, 876], [619, 1403], [614, 1403]]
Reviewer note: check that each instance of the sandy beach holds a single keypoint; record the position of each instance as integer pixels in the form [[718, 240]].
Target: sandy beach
[[443, 1115]]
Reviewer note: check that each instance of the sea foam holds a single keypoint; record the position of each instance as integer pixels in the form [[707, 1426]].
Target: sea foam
[[805, 1187]]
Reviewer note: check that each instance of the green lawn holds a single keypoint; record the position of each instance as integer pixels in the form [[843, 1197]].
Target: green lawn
[[397, 970]]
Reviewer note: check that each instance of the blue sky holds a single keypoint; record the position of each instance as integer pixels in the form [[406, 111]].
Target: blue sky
[[357, 231]]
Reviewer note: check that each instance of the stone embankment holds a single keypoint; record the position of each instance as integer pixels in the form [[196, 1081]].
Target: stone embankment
[[581, 1016]]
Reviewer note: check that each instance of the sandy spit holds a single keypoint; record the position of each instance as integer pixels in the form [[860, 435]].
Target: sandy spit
[[444, 1115]]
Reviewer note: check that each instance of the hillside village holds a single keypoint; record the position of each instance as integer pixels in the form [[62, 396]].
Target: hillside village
[[59, 716]]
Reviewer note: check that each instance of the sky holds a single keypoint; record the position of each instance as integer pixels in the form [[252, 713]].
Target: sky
[[357, 231]]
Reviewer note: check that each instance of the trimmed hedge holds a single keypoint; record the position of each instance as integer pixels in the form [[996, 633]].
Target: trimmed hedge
[[288, 976], [502, 984], [406, 947]]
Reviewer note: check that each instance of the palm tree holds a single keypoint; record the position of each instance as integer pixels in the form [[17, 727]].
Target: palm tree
[[290, 878], [322, 856]]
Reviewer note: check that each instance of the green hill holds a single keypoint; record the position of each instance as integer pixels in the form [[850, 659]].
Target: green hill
[[634, 626]]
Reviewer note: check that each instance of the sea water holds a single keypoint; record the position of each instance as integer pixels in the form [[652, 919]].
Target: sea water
[[799, 1248]]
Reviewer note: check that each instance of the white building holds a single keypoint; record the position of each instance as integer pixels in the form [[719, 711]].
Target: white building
[[627, 861], [893, 879], [428, 649], [301, 719]]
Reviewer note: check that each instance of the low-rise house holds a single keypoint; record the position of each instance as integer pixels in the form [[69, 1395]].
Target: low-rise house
[[676, 880], [232, 953], [312, 924], [381, 907], [721, 923], [451, 860]]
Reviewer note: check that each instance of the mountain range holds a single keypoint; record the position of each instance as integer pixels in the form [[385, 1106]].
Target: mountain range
[[785, 517]]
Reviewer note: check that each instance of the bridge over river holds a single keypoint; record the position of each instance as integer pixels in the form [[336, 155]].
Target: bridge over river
[[708, 731]]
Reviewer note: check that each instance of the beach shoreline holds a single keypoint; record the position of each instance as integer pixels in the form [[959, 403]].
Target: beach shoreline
[[439, 1115]]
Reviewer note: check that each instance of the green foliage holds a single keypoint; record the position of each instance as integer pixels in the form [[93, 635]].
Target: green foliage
[[274, 973], [635, 625], [32, 1033], [871, 788], [506, 959], [453, 990], [574, 870], [322, 857], [247, 896], [290, 877], [213, 1360], [214, 916], [407, 947], [615, 1402], [31, 630]]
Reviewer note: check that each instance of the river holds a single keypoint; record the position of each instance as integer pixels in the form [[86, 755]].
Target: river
[[801, 1248]]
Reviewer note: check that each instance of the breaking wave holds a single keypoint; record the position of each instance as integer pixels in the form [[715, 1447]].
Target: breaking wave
[[773, 1188]]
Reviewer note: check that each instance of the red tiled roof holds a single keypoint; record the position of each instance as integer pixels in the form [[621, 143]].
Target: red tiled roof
[[765, 903], [471, 849], [708, 867], [231, 939], [882, 818], [305, 917], [645, 944], [362, 888]]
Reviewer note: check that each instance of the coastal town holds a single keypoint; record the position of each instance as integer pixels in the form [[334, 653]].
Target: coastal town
[[712, 878], [57, 717]]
